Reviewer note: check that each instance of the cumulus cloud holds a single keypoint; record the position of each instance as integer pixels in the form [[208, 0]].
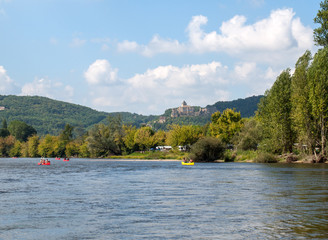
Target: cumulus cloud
[[243, 70], [100, 72], [48, 88], [164, 87], [126, 46], [156, 45], [7, 85], [279, 33]]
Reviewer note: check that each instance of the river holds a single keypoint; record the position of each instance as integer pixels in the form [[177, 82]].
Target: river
[[95, 199]]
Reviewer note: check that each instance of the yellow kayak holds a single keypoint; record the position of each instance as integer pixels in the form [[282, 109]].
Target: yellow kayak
[[187, 163]]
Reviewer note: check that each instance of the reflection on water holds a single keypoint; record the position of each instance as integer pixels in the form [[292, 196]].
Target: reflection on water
[[84, 199]]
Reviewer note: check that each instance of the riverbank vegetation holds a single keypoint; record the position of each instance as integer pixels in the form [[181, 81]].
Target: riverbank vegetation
[[290, 125]]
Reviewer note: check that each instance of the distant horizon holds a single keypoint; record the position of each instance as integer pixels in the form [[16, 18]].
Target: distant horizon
[[147, 56]]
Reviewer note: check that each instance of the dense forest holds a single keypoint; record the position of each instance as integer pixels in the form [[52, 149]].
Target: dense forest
[[294, 112]]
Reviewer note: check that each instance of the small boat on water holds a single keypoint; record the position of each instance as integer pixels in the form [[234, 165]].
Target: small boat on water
[[46, 163], [57, 158], [66, 159], [187, 163]]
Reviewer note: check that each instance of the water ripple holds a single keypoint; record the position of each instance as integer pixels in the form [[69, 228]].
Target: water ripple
[[84, 199]]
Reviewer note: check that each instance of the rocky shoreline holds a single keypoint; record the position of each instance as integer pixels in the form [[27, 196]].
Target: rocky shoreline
[[292, 158]]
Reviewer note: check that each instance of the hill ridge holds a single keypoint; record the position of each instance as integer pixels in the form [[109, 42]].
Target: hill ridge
[[49, 116]]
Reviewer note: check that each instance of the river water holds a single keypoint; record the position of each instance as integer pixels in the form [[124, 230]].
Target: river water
[[94, 199]]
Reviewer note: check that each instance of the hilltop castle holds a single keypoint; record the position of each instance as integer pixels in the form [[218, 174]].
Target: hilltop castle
[[186, 110]]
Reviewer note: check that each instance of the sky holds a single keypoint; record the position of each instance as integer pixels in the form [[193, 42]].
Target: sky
[[147, 56]]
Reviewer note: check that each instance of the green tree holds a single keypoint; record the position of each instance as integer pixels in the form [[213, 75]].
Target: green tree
[[105, 140], [72, 149], [24, 149], [144, 138], [20, 130], [318, 86], [225, 125], [183, 135], [4, 132], [46, 147], [15, 151], [128, 138], [275, 115], [6, 144], [59, 146], [159, 138], [84, 150], [321, 33], [115, 125], [67, 133], [249, 136], [207, 149], [101, 141], [301, 107], [32, 146]]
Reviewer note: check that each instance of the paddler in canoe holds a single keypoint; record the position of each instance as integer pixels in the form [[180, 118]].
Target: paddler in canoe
[[42, 161]]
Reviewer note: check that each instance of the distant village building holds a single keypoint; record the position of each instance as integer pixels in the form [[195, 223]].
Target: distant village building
[[162, 119], [186, 110]]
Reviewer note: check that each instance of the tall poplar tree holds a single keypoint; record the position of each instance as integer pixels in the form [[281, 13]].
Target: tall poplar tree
[[321, 33], [275, 115], [301, 107], [318, 96]]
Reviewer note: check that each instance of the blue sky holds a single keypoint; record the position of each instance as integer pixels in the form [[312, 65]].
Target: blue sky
[[147, 56]]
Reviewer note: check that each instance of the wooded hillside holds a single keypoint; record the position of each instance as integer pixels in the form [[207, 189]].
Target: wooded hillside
[[49, 116]]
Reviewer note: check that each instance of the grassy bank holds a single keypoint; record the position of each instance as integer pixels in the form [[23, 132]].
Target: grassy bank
[[229, 156], [153, 155]]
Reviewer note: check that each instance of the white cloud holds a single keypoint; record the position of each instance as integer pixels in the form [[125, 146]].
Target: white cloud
[[258, 80], [243, 70], [275, 37], [222, 95], [47, 88], [179, 78], [280, 31], [164, 87], [7, 85], [100, 72], [158, 45], [126, 46]]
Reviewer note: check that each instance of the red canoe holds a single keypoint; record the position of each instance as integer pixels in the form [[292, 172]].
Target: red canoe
[[44, 163]]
